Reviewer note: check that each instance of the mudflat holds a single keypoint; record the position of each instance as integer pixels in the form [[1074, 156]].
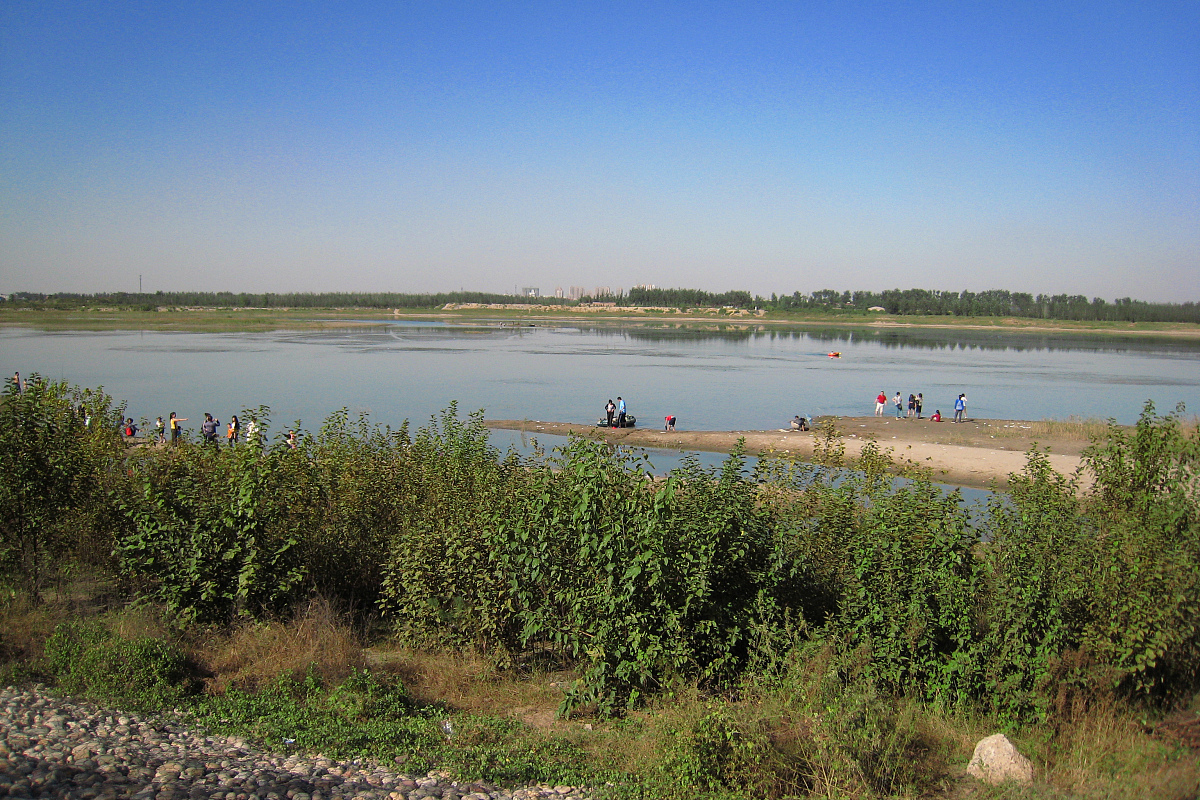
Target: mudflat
[[977, 452]]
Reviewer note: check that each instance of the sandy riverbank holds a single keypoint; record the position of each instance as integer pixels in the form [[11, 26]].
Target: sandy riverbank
[[974, 453]]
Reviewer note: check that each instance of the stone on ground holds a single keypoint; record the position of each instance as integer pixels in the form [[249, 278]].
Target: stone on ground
[[997, 760]]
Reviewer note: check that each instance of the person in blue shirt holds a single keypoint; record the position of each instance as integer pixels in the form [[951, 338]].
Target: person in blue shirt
[[960, 408], [620, 412]]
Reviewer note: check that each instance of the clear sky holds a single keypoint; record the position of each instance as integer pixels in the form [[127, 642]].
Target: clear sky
[[773, 147]]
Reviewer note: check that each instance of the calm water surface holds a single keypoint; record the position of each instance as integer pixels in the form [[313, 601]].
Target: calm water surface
[[712, 379]]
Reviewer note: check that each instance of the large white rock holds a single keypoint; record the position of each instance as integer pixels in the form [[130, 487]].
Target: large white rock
[[997, 760]]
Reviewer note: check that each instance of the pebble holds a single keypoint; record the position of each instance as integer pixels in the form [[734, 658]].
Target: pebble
[[52, 747]]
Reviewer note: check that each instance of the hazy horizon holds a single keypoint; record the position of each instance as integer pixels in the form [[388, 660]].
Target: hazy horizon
[[765, 147], [549, 293]]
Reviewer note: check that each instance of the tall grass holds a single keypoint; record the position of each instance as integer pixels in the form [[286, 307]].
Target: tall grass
[[1072, 428]]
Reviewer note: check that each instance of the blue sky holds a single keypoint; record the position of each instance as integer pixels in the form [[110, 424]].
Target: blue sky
[[772, 147]]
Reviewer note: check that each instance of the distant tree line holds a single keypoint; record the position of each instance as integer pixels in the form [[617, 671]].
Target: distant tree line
[[149, 302], [990, 303], [688, 298]]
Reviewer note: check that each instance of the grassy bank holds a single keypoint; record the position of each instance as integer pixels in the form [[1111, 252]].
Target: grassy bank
[[782, 631], [261, 319], [319, 682]]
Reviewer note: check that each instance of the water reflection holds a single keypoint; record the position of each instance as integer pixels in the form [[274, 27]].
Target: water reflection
[[933, 339], [722, 376]]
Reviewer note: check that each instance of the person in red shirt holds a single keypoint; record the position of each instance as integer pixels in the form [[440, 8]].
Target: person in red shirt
[[880, 403]]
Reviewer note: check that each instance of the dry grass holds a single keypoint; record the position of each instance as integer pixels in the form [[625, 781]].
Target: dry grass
[[255, 653], [1108, 753], [1072, 428], [472, 683], [24, 628], [138, 621]]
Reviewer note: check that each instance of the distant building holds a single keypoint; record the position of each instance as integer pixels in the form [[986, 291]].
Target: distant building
[[646, 286], [577, 292], [602, 291], [531, 291], [558, 292]]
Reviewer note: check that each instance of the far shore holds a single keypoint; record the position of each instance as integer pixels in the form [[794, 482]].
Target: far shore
[[264, 319], [978, 453]]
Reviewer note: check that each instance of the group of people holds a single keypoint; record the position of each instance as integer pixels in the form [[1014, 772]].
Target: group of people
[[208, 429], [616, 412], [915, 404]]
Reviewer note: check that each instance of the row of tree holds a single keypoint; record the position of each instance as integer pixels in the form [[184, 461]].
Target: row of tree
[[150, 302], [990, 303]]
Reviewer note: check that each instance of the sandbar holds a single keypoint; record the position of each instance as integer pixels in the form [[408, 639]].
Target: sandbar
[[979, 453]]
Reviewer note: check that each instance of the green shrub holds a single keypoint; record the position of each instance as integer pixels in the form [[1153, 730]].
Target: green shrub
[[87, 660], [910, 600], [211, 533], [439, 585], [1038, 565], [57, 447], [642, 583]]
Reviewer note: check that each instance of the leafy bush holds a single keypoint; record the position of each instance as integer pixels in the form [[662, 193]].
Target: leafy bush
[[1144, 618], [1037, 570], [439, 586], [56, 445], [88, 660], [1056, 595], [210, 532], [911, 599]]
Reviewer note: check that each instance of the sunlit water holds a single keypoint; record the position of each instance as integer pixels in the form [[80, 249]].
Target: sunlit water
[[732, 379], [711, 380]]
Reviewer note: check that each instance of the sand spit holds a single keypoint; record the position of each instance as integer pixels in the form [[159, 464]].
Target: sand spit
[[974, 453]]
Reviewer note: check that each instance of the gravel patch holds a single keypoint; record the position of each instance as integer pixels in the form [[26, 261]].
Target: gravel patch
[[56, 747]]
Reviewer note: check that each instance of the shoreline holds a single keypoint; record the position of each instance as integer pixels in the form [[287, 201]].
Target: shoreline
[[976, 453], [260, 319]]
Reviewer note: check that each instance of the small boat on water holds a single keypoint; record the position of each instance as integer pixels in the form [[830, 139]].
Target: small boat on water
[[630, 422], [835, 354]]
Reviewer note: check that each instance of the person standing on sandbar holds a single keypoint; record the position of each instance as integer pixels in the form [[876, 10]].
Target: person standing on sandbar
[[175, 427]]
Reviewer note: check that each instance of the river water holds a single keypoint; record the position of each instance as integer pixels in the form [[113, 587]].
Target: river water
[[711, 378]]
